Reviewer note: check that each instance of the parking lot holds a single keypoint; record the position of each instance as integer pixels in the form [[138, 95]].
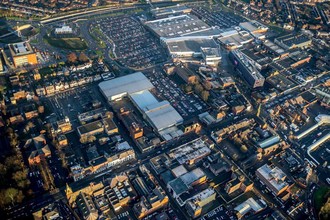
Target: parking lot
[[134, 46], [188, 105], [221, 19]]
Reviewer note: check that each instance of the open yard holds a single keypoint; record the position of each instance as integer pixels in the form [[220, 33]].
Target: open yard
[[67, 43]]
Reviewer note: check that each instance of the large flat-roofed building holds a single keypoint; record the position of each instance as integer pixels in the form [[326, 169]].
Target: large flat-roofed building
[[119, 87], [292, 41], [143, 99], [22, 54], [273, 177], [160, 115], [170, 11], [190, 152], [233, 39], [247, 68], [255, 28], [190, 47], [177, 26]]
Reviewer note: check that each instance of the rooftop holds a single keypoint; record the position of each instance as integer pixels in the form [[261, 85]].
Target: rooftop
[[177, 26], [248, 64], [170, 10], [162, 115], [253, 26], [190, 151], [291, 40], [129, 84], [247, 206], [178, 186], [274, 176], [90, 127], [210, 52], [179, 171], [143, 99], [21, 48], [192, 176], [193, 45]]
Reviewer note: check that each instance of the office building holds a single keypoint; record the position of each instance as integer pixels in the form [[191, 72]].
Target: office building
[[22, 54], [273, 178]]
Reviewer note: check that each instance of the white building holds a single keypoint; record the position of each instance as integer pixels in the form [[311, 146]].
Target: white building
[[63, 30]]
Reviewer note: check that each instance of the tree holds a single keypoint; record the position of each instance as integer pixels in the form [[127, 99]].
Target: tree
[[83, 140], [187, 88], [20, 177], [244, 149], [198, 88], [14, 162], [83, 57], [205, 95], [91, 139], [325, 210], [207, 85], [72, 57], [12, 195], [3, 170]]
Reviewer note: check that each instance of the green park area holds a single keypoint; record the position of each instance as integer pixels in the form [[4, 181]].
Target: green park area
[[67, 43], [322, 202]]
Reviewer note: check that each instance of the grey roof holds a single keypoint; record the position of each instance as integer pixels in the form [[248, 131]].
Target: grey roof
[[192, 176], [190, 45], [177, 26], [178, 186], [163, 115], [143, 99], [128, 84]]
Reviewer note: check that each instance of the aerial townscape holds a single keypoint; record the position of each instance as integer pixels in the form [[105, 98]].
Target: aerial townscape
[[165, 109]]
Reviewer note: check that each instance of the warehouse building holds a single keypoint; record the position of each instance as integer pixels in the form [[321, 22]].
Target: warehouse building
[[159, 114], [189, 47], [177, 26], [117, 88]]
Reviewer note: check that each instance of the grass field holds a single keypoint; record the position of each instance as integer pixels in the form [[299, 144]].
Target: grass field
[[67, 43], [320, 197]]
